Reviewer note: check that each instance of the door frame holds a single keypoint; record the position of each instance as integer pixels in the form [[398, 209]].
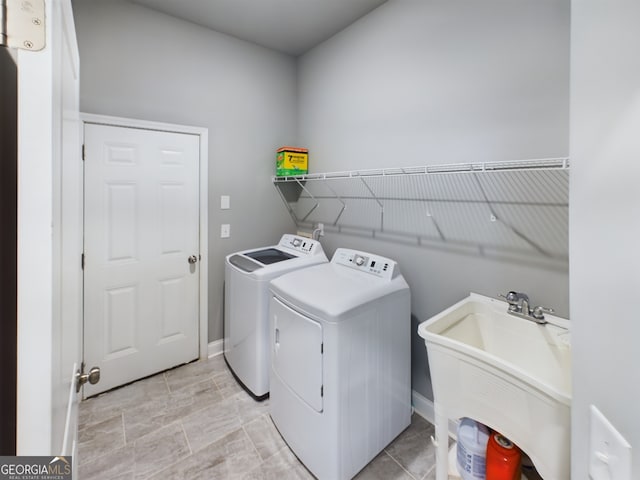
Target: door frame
[[203, 133], [46, 401]]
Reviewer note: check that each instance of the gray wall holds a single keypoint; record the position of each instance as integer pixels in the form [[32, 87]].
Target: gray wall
[[605, 223], [430, 82], [138, 63], [415, 82]]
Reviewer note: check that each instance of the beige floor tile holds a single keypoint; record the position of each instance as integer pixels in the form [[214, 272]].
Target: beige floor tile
[[211, 423], [249, 409], [218, 363], [165, 409], [383, 467], [227, 383], [195, 422], [140, 459], [283, 465], [229, 458], [95, 440], [413, 449], [114, 402], [191, 373], [118, 464], [159, 449], [265, 436]]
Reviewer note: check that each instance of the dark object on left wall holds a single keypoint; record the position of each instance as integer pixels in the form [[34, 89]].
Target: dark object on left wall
[[8, 250]]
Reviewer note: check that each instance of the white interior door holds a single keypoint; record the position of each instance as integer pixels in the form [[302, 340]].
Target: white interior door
[[141, 252], [49, 238]]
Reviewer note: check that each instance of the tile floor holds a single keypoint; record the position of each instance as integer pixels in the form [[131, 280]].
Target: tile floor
[[194, 422]]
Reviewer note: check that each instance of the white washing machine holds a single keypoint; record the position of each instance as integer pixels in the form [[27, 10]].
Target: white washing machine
[[340, 361], [246, 314]]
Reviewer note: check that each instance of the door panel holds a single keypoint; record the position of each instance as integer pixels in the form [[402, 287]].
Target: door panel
[[120, 320], [172, 293], [173, 222], [121, 213], [141, 225]]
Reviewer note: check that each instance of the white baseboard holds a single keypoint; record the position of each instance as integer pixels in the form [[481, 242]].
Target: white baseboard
[[424, 407], [215, 348]]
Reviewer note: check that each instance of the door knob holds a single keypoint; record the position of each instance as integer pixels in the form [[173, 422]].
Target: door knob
[[192, 259], [92, 377]]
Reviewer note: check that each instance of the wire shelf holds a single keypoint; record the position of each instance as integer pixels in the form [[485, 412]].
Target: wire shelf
[[515, 207]]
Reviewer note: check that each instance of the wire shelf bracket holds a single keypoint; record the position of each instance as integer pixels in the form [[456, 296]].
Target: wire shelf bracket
[[520, 207]]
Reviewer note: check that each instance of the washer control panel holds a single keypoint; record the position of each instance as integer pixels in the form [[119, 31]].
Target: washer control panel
[[299, 244], [366, 262]]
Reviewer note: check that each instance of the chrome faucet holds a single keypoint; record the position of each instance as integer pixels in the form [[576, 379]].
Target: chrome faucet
[[519, 306]]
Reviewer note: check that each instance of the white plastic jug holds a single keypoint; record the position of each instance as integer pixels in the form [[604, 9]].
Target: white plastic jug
[[472, 449]]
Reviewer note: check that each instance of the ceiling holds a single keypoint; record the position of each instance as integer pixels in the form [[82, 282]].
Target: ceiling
[[289, 26]]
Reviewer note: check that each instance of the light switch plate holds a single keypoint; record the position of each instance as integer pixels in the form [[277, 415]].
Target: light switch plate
[[609, 452], [225, 202], [225, 230]]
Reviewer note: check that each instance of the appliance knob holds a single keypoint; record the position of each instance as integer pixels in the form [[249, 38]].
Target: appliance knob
[[359, 261]]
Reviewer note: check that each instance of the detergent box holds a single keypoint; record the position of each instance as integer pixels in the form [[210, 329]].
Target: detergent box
[[292, 161]]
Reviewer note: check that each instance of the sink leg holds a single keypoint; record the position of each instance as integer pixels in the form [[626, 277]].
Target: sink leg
[[442, 439]]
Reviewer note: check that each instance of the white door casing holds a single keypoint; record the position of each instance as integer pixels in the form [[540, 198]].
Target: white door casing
[[142, 223], [49, 239]]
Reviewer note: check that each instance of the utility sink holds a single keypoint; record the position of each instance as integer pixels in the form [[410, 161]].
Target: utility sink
[[510, 373]]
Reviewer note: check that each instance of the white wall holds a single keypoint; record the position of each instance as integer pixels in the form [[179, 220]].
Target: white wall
[[138, 63], [434, 81], [429, 82], [605, 220]]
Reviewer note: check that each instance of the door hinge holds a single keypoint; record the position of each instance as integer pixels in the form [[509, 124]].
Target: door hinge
[[22, 24], [321, 348], [82, 261], [322, 390], [83, 152]]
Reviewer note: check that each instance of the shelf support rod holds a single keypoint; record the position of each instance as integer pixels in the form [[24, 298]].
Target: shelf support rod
[[344, 205], [312, 197], [378, 202], [518, 233], [284, 200]]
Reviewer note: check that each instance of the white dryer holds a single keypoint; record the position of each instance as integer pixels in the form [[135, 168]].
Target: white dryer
[[340, 361], [246, 313]]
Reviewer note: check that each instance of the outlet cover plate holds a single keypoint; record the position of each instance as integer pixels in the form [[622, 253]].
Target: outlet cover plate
[[225, 202], [225, 230], [609, 452]]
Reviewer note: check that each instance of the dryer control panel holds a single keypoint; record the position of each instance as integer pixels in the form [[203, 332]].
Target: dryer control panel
[[299, 244], [366, 262]]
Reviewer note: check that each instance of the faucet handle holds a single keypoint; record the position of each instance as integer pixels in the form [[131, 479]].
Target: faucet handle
[[512, 299], [539, 311]]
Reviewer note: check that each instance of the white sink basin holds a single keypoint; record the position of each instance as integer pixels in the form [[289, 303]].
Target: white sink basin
[[480, 326], [509, 373]]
